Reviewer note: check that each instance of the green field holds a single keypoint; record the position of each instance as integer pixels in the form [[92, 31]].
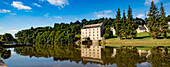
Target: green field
[[141, 39], [140, 36]]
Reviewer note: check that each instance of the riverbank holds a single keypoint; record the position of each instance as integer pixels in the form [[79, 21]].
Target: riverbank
[[2, 64]]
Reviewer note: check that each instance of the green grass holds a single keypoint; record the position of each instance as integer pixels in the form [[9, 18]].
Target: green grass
[[142, 39], [139, 37]]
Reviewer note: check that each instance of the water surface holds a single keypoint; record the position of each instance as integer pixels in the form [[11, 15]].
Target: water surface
[[86, 56]]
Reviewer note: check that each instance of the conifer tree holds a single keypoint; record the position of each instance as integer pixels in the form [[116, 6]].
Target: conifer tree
[[124, 25], [153, 24], [163, 22], [131, 25], [118, 24]]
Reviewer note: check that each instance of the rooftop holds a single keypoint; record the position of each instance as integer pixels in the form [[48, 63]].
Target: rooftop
[[141, 27], [92, 25]]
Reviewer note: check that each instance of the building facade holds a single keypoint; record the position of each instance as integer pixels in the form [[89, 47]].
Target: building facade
[[168, 24], [142, 28], [93, 32], [113, 30]]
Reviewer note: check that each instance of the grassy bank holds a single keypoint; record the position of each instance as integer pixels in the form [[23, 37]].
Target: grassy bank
[[142, 39]]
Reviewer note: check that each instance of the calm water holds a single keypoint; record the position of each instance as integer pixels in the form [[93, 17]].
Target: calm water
[[86, 56]]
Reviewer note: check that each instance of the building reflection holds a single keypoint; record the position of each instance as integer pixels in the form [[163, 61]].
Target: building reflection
[[92, 53]]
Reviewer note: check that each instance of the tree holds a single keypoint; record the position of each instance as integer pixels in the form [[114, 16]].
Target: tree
[[163, 22], [132, 26], [153, 24], [118, 24], [124, 31]]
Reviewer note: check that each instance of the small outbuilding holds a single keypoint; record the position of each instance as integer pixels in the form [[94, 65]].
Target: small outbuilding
[[142, 28]]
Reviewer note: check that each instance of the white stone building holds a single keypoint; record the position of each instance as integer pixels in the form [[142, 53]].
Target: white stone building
[[142, 28], [93, 32], [169, 24], [113, 30]]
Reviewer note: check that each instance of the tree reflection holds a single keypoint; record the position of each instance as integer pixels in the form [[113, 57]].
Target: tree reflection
[[129, 57], [159, 57], [4, 53]]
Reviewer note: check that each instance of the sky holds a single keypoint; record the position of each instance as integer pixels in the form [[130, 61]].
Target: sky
[[17, 15]]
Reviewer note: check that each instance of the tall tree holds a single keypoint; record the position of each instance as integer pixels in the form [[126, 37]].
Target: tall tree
[[124, 25], [153, 24], [163, 22], [131, 25], [118, 24]]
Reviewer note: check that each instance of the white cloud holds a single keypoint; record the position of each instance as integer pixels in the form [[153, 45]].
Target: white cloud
[[41, 0], [46, 15], [6, 3], [167, 4], [60, 3], [106, 13], [144, 64], [140, 15], [1, 28], [4, 11], [57, 17], [12, 30], [19, 5], [13, 14], [36, 4], [147, 2]]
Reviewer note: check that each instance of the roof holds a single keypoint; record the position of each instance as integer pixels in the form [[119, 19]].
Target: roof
[[92, 26], [141, 27]]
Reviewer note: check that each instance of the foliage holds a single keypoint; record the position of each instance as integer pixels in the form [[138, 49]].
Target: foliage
[[157, 24], [7, 37], [60, 33]]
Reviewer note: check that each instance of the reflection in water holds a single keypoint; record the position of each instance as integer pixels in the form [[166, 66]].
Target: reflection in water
[[4, 53], [130, 57], [92, 54]]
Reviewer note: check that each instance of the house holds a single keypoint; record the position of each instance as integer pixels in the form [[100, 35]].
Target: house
[[113, 30], [169, 24], [142, 28], [93, 32]]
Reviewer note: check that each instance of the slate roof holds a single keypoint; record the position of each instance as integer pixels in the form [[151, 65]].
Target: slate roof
[[92, 26]]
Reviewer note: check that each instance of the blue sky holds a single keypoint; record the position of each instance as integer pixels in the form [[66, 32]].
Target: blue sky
[[16, 15]]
